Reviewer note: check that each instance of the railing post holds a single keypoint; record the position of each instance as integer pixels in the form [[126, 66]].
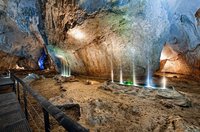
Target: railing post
[[46, 120], [14, 87], [48, 108], [25, 103], [18, 92]]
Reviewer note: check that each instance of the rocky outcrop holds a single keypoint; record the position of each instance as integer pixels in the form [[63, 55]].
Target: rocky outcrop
[[184, 39], [180, 62], [9, 61], [97, 36], [19, 34]]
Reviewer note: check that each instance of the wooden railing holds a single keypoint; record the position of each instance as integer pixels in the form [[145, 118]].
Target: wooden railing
[[48, 108]]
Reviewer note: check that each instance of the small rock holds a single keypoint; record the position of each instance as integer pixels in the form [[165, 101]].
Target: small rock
[[88, 82], [30, 78], [167, 104], [64, 90], [61, 87], [97, 120], [183, 102], [168, 94], [135, 111], [132, 92], [62, 95], [42, 77]]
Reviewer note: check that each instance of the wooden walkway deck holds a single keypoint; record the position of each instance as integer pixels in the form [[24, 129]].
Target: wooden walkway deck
[[12, 119]]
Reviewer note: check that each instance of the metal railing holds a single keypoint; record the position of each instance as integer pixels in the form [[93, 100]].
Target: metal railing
[[47, 108]]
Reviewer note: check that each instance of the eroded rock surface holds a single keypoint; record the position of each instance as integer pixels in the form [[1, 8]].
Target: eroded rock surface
[[19, 34], [96, 35]]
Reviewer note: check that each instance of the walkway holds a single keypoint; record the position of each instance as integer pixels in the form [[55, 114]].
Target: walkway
[[12, 119]]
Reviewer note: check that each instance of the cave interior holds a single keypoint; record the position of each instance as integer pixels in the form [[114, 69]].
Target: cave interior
[[108, 65]]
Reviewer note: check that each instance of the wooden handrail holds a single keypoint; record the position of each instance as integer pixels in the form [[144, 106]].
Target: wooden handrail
[[62, 119]]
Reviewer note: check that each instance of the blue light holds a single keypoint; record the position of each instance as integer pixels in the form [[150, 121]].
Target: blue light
[[42, 60]]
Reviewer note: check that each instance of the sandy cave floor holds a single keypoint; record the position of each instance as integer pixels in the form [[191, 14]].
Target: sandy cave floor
[[107, 111]]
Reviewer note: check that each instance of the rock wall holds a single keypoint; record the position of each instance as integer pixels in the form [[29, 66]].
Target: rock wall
[[19, 34], [95, 36], [180, 62], [120, 33], [184, 38]]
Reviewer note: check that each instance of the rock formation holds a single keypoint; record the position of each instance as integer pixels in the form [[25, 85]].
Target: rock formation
[[19, 34], [184, 38], [96, 35]]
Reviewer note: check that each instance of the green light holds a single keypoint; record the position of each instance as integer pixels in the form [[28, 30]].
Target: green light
[[128, 83]]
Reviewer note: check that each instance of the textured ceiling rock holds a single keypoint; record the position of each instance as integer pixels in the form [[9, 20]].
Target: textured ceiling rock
[[184, 31], [124, 36], [97, 34], [95, 5], [19, 35], [94, 35], [184, 37]]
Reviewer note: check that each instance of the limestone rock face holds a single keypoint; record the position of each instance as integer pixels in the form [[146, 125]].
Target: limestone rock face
[[184, 38], [178, 62], [19, 35], [98, 35], [95, 36], [9, 61], [122, 34]]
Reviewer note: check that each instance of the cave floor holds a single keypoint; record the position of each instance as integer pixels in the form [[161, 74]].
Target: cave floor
[[103, 110]]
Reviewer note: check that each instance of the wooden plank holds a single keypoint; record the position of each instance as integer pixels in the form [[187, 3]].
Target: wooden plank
[[19, 126], [6, 81], [8, 102], [8, 96], [14, 106], [12, 119]]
